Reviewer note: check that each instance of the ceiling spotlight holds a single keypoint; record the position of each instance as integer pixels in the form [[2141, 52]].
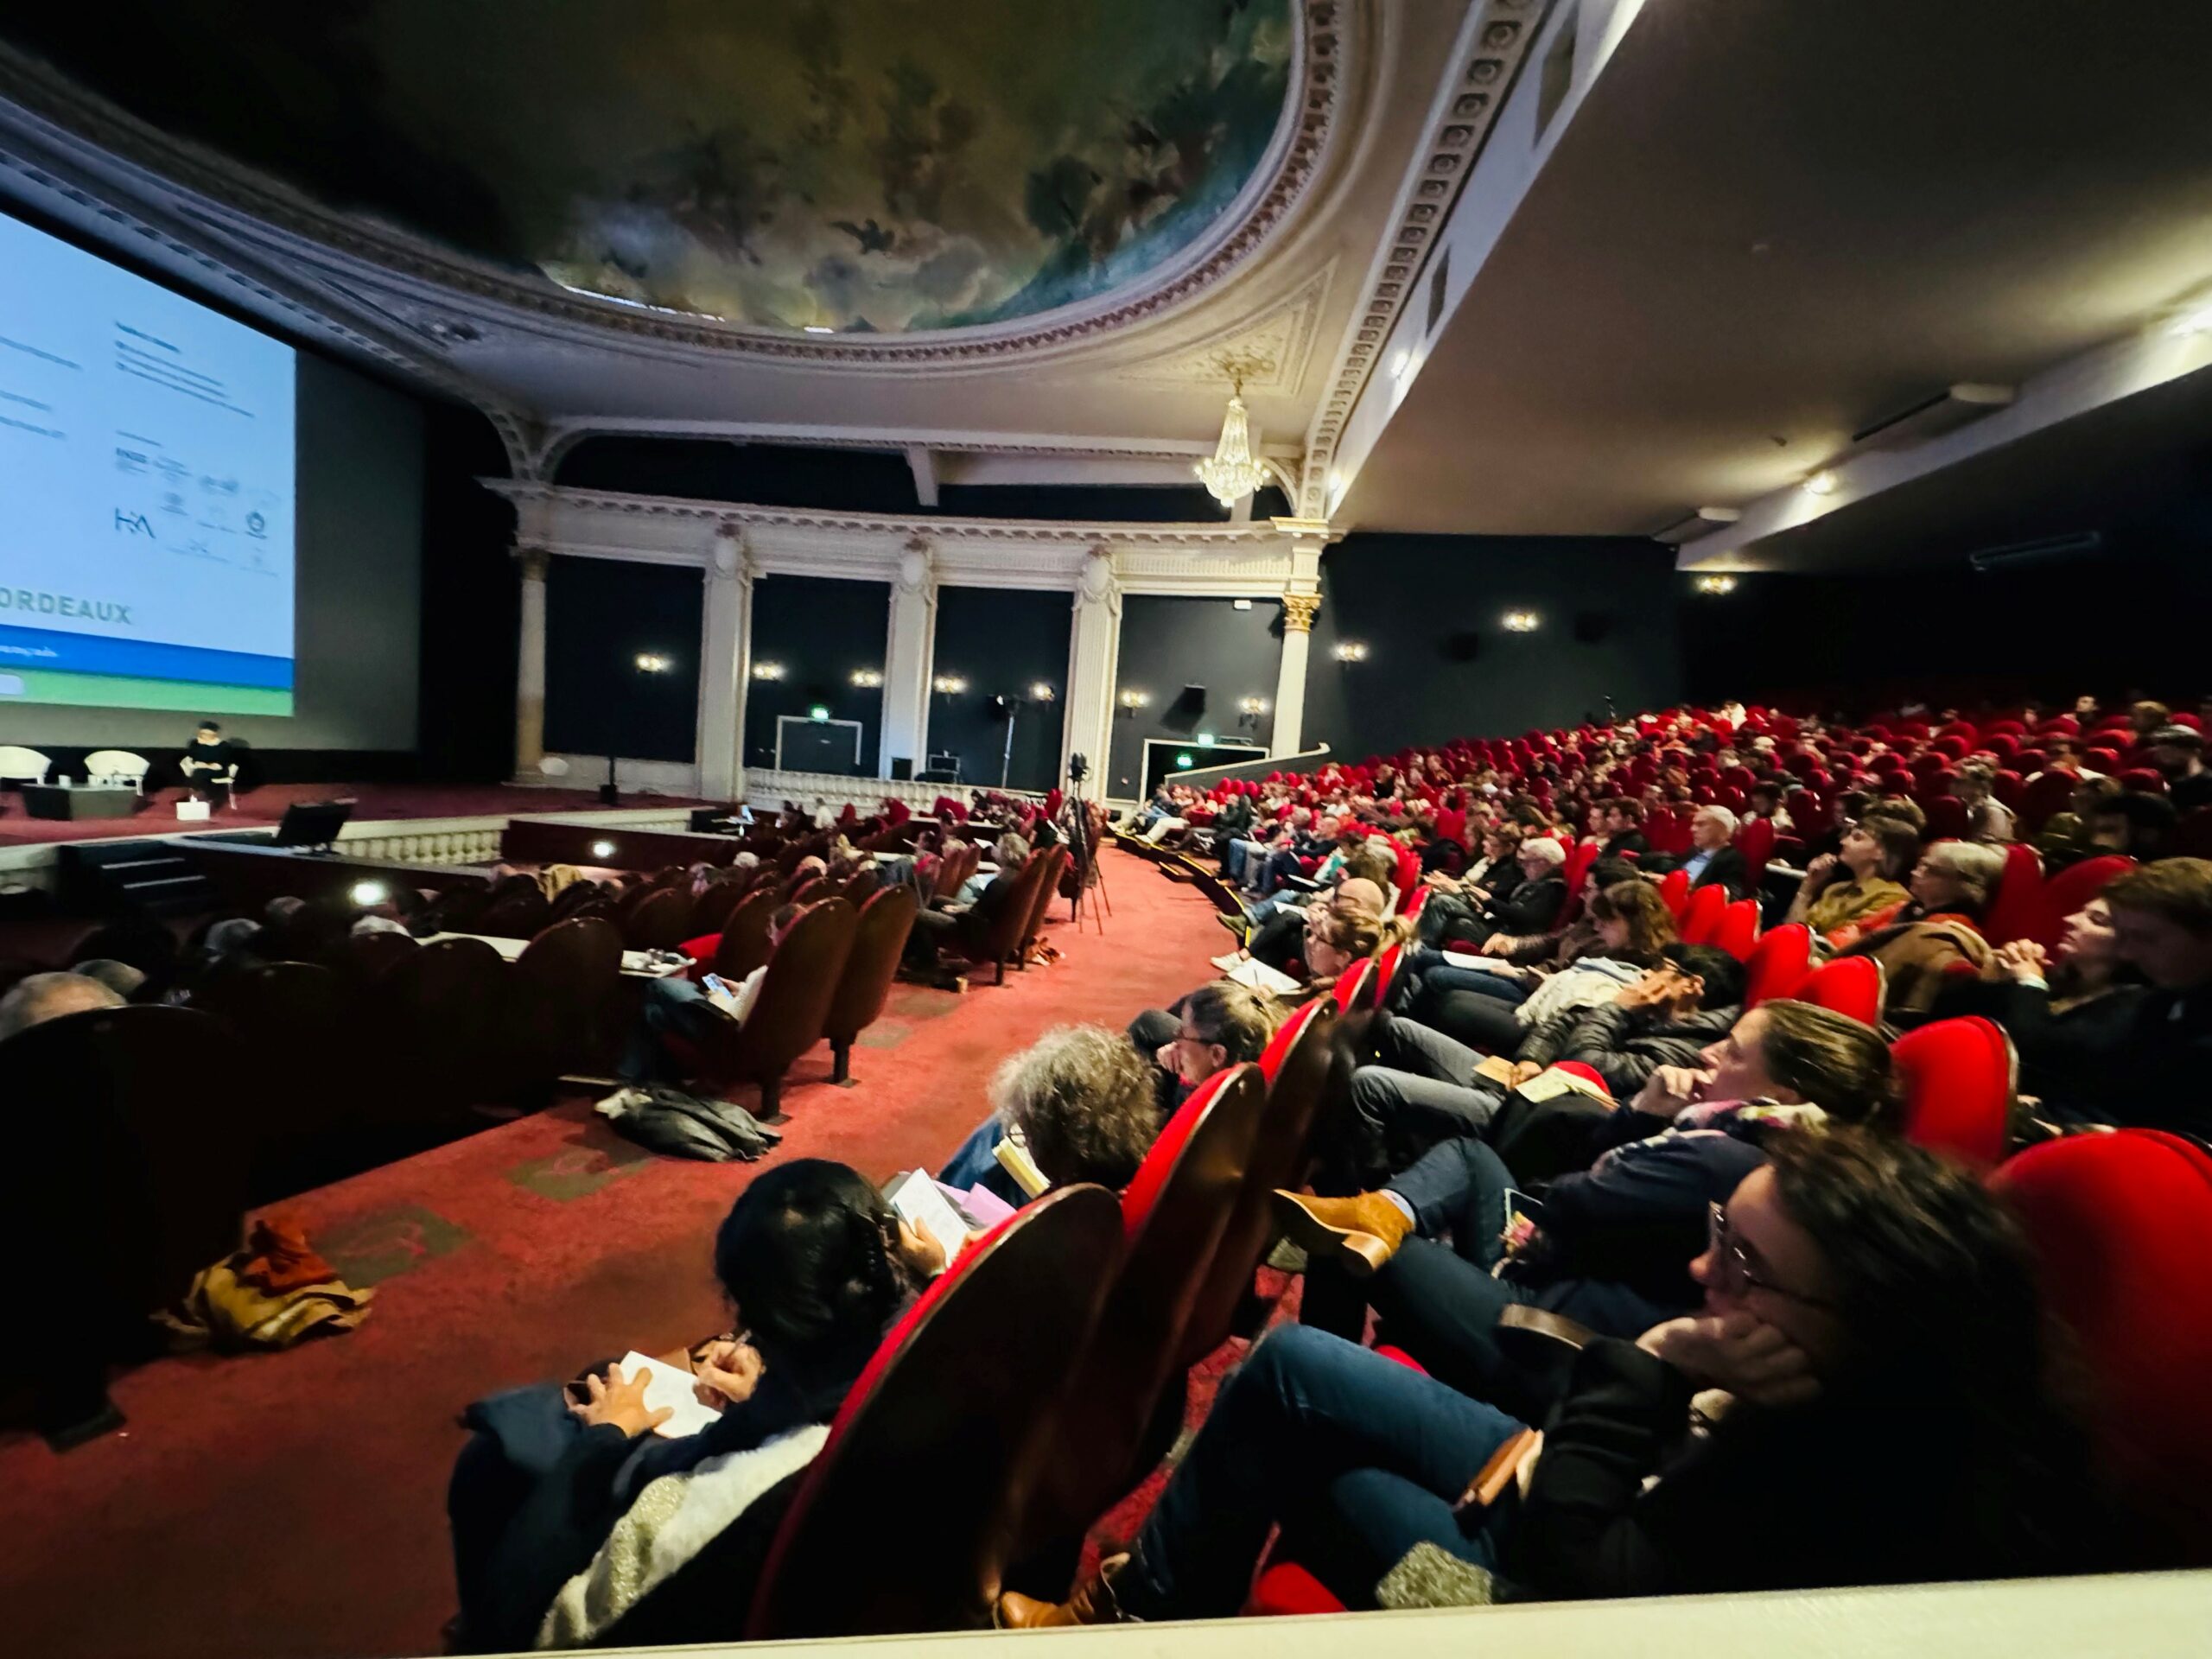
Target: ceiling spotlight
[[1041, 692], [819, 328], [1351, 650], [767, 670], [365, 893], [1522, 621], [603, 849], [651, 661], [1821, 484], [1716, 584], [951, 684], [868, 679]]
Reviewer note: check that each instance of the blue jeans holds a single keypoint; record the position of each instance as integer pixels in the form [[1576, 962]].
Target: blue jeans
[[1233, 861], [1359, 1458], [973, 1165]]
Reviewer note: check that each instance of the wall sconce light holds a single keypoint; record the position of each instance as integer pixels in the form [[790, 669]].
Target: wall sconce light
[[767, 670], [1522, 621], [603, 849], [1249, 710], [1716, 585], [1132, 701], [951, 684], [1041, 692], [868, 678], [651, 661], [1206, 740], [1822, 483], [365, 893], [1351, 650]]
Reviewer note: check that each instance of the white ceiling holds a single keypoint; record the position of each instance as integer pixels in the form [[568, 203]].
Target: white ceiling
[[1771, 225]]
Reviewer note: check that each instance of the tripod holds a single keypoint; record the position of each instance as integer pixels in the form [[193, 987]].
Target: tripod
[[1083, 841]]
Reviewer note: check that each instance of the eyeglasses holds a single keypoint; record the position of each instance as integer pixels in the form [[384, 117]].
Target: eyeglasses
[[1736, 1274]]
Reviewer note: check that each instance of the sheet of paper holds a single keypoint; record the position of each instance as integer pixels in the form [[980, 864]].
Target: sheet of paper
[[925, 1209], [985, 1206], [1260, 977], [671, 1386], [1480, 964]]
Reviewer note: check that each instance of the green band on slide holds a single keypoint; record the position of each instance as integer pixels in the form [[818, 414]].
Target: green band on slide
[[116, 691]]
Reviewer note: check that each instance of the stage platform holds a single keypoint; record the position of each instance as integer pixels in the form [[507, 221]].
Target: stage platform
[[375, 804]]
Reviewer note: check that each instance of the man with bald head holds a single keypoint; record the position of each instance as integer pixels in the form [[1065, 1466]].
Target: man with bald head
[[1277, 940], [43, 997]]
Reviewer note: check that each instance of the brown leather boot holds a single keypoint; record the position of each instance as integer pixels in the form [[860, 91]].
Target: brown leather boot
[[1093, 1603], [1362, 1233]]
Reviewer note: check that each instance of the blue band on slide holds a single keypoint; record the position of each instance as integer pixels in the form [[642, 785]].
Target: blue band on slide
[[140, 659]]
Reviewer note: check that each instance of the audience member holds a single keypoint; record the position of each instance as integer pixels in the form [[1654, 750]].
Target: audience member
[[2130, 822], [1713, 860], [1859, 881], [2178, 754], [40, 997], [1080, 1100], [692, 1013]]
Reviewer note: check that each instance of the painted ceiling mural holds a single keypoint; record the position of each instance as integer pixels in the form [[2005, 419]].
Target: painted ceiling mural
[[846, 165]]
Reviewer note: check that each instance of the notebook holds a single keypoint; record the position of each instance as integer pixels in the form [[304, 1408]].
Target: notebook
[[671, 1386]]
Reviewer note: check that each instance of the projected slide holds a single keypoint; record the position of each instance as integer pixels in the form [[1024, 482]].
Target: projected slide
[[146, 492]]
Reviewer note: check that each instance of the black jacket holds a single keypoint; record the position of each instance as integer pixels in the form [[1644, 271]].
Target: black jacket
[[1629, 844], [1725, 869], [1856, 1488], [1532, 907], [1625, 1046]]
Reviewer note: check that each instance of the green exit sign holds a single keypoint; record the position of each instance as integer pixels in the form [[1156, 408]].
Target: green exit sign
[[820, 711], [1182, 760]]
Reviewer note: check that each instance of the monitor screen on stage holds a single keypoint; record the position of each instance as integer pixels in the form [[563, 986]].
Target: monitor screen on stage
[[147, 504]]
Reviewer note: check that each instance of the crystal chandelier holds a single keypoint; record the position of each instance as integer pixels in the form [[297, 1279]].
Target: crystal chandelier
[[1233, 474]]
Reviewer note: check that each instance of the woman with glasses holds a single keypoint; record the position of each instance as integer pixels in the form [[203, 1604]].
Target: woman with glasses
[[1858, 1401]]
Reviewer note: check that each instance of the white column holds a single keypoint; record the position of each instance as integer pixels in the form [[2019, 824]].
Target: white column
[[529, 666], [1094, 646], [725, 667], [1298, 611], [909, 658]]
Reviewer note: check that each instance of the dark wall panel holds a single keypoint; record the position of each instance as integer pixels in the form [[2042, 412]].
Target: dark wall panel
[[1440, 662], [1002, 641], [820, 630], [1168, 644], [600, 615], [472, 603]]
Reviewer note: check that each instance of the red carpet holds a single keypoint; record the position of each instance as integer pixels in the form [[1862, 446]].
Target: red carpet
[[375, 803], [293, 1503]]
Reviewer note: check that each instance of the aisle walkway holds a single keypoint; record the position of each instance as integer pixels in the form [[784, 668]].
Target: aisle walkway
[[292, 1504]]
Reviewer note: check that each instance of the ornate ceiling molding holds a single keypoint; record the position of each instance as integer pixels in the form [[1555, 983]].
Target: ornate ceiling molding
[[1273, 345], [442, 295], [1496, 42], [534, 497]]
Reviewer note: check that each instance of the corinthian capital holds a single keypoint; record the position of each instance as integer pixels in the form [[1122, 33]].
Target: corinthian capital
[[1298, 612]]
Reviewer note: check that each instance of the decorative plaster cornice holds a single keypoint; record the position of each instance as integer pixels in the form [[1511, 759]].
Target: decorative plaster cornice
[[937, 531], [432, 286], [1459, 126]]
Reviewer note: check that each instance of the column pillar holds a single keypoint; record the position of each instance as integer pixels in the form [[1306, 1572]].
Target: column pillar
[[529, 666], [1093, 646], [909, 659], [1298, 610], [725, 666]]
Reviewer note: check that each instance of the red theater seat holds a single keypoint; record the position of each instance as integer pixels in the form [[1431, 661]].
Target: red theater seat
[[1958, 1079], [1850, 985], [1778, 964], [1737, 930]]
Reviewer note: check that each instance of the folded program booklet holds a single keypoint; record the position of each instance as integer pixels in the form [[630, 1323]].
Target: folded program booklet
[[1260, 977]]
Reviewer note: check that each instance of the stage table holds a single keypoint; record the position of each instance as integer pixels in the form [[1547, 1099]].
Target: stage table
[[74, 801]]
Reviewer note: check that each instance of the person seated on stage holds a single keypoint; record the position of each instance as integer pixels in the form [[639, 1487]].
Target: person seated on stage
[[1713, 860], [1080, 1100], [208, 763], [675, 1006], [552, 1544], [1856, 1395], [1864, 879], [1691, 996], [1219, 1025], [1529, 905], [38, 998]]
